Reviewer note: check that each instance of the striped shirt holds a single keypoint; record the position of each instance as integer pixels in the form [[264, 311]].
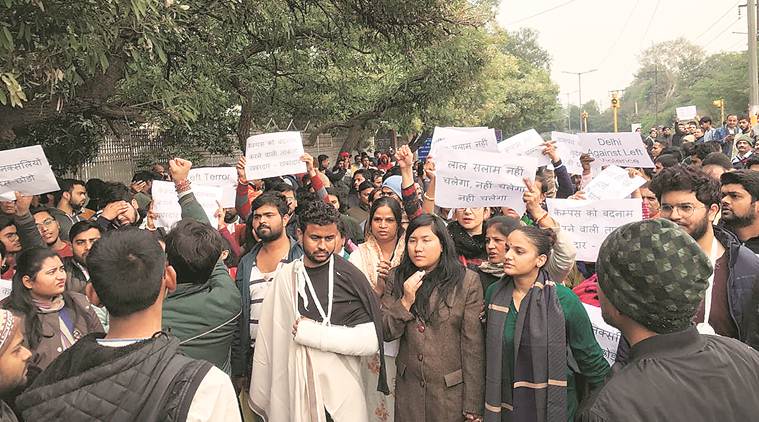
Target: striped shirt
[[259, 284]]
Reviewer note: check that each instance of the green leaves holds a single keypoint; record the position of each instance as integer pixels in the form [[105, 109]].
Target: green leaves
[[15, 93]]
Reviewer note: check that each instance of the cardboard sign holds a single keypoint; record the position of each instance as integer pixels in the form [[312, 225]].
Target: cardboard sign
[[528, 143], [463, 139], [274, 154], [166, 203], [26, 170], [590, 222], [569, 149], [607, 336], [482, 179], [222, 177], [612, 183], [686, 113], [624, 149]]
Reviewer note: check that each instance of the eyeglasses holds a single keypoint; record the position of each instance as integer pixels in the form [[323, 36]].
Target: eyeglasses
[[46, 223], [683, 210], [11, 236]]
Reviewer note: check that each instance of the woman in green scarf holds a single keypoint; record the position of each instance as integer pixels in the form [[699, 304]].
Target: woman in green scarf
[[538, 337]]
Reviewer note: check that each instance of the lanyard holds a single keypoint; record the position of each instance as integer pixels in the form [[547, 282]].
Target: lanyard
[[330, 291], [704, 327]]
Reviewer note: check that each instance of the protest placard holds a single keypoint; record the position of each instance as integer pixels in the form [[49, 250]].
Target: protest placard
[[624, 149], [612, 183], [274, 154], [569, 149], [5, 288], [528, 143], [589, 222], [223, 177], [686, 113], [481, 179], [26, 170], [462, 139], [607, 336], [166, 202]]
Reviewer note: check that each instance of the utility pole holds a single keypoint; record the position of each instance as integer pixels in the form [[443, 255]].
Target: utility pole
[[569, 114], [752, 64], [579, 85], [615, 109]]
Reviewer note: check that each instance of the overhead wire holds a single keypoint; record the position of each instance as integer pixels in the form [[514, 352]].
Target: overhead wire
[[650, 21], [723, 32], [719, 19], [550, 9], [619, 36]]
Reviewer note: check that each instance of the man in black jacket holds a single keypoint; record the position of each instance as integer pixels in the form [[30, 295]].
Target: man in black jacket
[[740, 208], [83, 235], [133, 373], [652, 278], [691, 199]]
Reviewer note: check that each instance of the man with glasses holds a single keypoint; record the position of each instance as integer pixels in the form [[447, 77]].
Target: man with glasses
[[12, 243], [691, 199], [50, 231]]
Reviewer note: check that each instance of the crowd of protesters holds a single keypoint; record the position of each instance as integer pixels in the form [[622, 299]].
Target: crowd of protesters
[[346, 294]]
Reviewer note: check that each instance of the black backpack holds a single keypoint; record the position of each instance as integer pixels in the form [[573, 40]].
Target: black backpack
[[172, 394]]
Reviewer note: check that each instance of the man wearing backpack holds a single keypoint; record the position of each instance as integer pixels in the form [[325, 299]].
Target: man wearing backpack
[[135, 372]]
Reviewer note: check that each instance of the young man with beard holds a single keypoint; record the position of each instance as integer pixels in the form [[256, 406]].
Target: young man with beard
[[691, 199], [319, 316], [119, 208], [255, 272], [14, 358], [83, 235], [740, 191], [12, 242], [69, 204]]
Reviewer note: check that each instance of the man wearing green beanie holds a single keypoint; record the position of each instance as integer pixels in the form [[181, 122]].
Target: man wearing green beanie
[[652, 278]]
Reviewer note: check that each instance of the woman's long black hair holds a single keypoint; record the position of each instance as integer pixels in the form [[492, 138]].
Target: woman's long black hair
[[29, 263], [448, 273], [394, 206]]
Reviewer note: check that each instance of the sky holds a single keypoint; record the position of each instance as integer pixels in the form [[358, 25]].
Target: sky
[[608, 35]]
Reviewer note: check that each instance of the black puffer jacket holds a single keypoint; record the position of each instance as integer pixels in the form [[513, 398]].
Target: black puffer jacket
[[92, 382]]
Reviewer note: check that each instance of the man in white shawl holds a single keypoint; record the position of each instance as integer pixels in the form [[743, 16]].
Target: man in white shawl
[[318, 318]]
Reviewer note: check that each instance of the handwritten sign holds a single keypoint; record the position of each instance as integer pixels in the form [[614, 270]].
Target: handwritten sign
[[26, 170], [222, 177], [463, 139], [569, 149], [274, 154], [686, 113], [612, 183], [607, 336], [5, 288], [482, 179], [589, 222], [166, 202], [624, 149], [528, 143]]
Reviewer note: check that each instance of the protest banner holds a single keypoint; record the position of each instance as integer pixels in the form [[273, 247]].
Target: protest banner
[[166, 202], [589, 222], [528, 144], [5, 288], [607, 336], [463, 139], [686, 113], [274, 154], [481, 179], [612, 183], [222, 177], [424, 151], [624, 149], [569, 149], [26, 170]]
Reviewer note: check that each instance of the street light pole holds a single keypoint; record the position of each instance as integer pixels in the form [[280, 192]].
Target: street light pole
[[579, 88]]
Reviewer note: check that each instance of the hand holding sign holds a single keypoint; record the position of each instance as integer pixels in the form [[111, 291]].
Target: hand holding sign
[[549, 150], [531, 196], [309, 160], [23, 204]]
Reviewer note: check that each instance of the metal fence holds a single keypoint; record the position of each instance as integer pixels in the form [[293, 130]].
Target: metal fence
[[120, 157]]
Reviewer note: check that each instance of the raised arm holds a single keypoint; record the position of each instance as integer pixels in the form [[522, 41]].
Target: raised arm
[[411, 204]]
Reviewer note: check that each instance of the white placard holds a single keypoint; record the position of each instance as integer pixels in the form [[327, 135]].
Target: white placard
[[5, 288], [26, 170], [686, 113], [223, 177], [569, 149], [589, 222], [612, 183], [624, 149], [634, 127], [482, 179], [528, 143], [166, 203], [607, 336], [462, 139], [274, 154]]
